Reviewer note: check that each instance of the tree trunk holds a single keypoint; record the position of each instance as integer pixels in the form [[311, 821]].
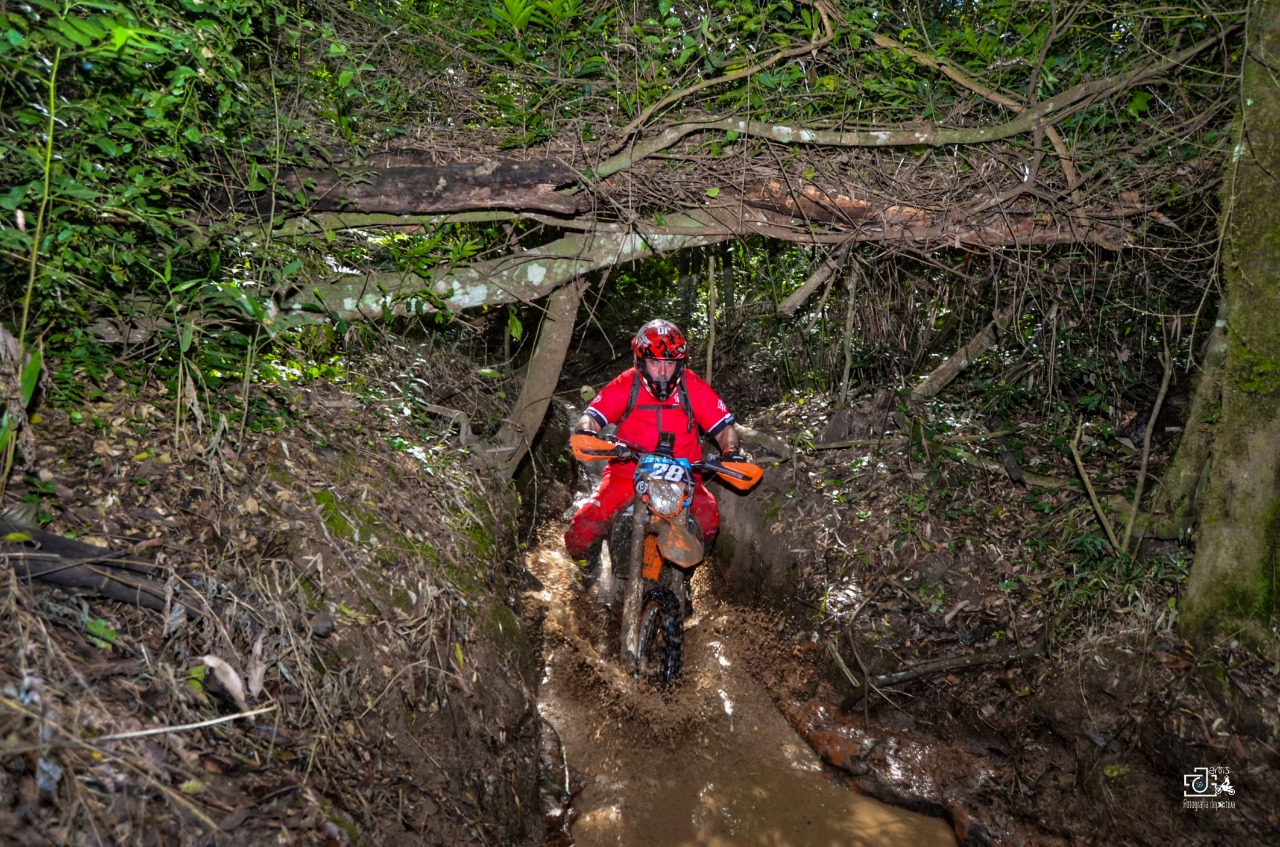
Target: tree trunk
[[525, 276], [554, 335], [1232, 589], [942, 375]]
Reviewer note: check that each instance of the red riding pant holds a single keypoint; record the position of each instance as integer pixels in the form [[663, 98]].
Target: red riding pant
[[591, 522]]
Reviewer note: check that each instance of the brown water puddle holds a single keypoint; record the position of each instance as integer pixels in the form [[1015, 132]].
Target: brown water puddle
[[713, 764]]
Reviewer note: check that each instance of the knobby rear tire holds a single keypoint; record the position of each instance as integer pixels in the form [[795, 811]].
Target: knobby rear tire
[[661, 637]]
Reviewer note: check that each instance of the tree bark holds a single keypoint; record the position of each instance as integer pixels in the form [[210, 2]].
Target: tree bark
[[520, 277], [1176, 507], [942, 375], [405, 184], [1232, 589], [554, 335], [830, 266]]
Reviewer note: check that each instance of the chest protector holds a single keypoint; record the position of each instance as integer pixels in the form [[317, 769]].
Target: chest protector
[[633, 403]]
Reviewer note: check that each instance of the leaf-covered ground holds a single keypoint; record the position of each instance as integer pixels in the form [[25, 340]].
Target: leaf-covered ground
[[328, 546], [331, 542], [1057, 704]]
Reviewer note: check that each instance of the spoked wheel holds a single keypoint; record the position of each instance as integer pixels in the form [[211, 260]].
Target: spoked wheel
[[661, 637]]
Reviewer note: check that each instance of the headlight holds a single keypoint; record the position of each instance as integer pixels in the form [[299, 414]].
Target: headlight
[[666, 498]]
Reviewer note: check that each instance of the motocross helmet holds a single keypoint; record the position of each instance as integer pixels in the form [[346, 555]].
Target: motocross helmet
[[660, 339]]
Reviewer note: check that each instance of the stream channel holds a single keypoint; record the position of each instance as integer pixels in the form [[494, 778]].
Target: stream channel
[[713, 763]]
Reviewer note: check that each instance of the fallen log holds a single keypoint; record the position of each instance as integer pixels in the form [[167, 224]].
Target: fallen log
[[36, 555]]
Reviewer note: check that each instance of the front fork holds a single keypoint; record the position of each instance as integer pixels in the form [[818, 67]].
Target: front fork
[[635, 586]]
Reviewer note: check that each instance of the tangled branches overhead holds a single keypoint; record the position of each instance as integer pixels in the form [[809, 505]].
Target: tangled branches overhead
[[1001, 125], [610, 133]]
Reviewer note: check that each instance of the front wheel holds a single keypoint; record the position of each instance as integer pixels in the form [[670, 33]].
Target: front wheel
[[661, 637]]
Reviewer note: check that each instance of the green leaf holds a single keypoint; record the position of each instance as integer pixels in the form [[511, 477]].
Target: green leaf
[[30, 377], [489, 372], [14, 198], [101, 633], [713, 191], [106, 145]]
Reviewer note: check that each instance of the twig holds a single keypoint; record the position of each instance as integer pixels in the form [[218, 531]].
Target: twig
[[1146, 446], [942, 375], [834, 652], [1088, 487], [950, 663], [789, 53], [120, 736], [160, 730], [992, 466], [826, 270], [903, 441]]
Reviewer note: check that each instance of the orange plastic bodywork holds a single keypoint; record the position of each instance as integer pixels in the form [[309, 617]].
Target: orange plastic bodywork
[[652, 558], [752, 472], [589, 448]]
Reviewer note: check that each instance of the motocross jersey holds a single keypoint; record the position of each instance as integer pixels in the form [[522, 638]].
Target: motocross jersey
[[640, 416]]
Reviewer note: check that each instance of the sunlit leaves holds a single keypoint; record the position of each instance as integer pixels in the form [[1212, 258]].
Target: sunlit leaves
[[513, 14]]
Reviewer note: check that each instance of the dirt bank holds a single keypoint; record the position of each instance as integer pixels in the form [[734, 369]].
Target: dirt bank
[[1047, 698], [329, 543]]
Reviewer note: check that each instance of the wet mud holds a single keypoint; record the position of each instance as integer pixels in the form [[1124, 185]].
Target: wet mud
[[713, 762]]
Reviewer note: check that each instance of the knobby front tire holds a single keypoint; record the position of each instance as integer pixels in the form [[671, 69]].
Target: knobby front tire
[[661, 637]]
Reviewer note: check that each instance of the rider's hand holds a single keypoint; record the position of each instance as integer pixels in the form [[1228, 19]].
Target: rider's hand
[[734, 456]]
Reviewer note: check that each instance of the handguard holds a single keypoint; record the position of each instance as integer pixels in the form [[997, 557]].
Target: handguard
[[750, 475], [590, 448]]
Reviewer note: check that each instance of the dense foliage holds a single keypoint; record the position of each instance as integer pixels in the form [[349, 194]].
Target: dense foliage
[[142, 147]]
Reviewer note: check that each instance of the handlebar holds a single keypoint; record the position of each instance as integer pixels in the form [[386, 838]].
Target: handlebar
[[593, 448]]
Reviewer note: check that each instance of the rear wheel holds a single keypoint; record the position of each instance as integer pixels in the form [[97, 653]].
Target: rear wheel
[[661, 637]]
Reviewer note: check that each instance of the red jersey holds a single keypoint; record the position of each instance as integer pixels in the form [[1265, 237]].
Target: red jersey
[[651, 415]]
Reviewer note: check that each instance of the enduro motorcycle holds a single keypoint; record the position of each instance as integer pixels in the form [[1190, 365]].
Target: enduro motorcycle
[[654, 544]]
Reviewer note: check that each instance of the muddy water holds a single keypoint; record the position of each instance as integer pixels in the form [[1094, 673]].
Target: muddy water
[[713, 764]]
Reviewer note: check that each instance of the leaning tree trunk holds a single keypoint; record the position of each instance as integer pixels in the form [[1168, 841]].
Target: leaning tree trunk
[[554, 335], [1232, 589]]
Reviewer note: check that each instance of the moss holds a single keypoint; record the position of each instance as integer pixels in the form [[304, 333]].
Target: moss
[[724, 547], [280, 476], [1255, 373], [334, 521]]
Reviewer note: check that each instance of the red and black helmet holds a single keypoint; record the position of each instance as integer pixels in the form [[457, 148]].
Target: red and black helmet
[[660, 339]]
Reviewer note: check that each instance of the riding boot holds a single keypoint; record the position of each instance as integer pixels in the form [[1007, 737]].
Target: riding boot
[[591, 573]]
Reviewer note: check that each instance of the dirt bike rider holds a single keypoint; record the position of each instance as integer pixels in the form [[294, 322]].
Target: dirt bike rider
[[658, 394]]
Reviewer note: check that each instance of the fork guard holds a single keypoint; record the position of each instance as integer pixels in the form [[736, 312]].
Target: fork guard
[[677, 544]]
